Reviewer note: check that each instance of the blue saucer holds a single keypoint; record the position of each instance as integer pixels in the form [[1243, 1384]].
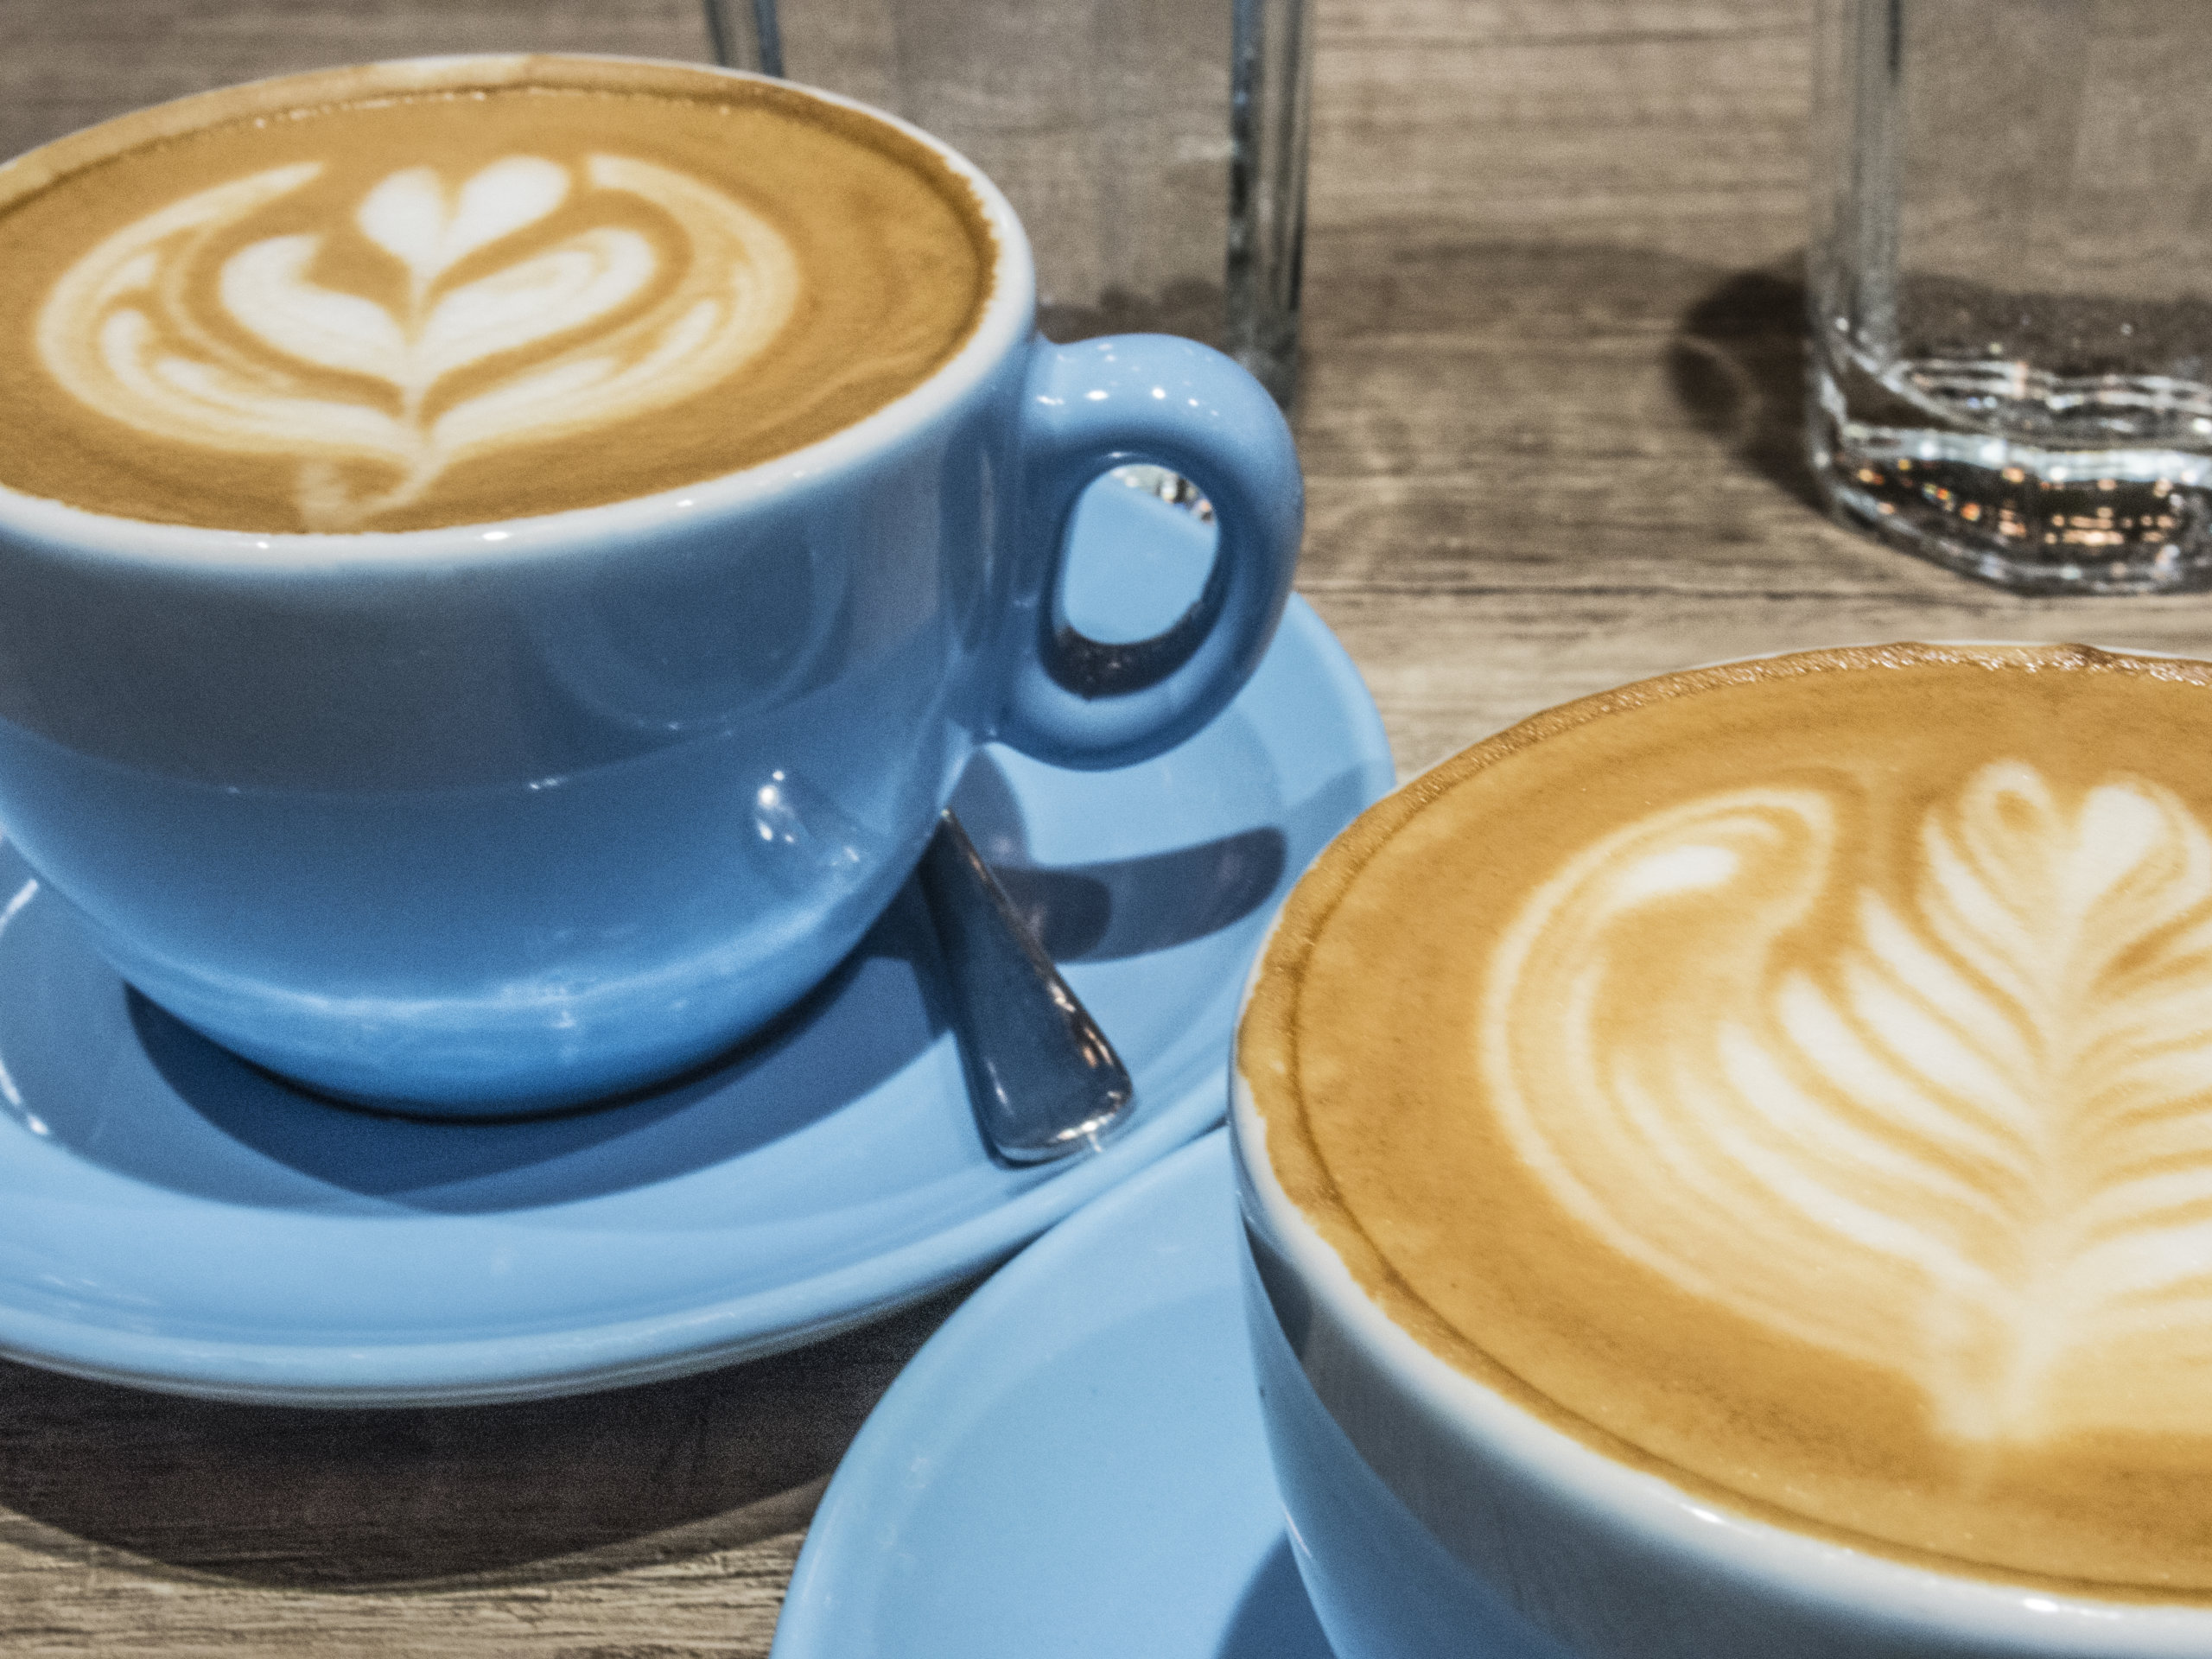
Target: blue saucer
[[173, 1218], [1074, 1465]]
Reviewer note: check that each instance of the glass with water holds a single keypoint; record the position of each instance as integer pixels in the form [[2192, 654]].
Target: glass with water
[[1155, 149], [2012, 286]]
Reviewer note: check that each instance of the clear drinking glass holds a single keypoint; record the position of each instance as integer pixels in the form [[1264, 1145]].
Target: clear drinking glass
[[2012, 286], [1155, 150]]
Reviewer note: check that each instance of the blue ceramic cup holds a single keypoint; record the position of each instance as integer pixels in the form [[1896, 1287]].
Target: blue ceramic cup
[[1432, 1515], [499, 817]]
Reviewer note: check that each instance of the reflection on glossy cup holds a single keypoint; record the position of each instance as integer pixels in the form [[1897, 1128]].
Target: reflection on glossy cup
[[473, 819]]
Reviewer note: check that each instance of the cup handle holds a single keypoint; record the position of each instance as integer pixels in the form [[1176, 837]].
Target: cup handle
[[1101, 403]]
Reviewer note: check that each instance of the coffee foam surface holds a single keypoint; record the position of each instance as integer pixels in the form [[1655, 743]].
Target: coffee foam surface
[[1796, 1079], [450, 303]]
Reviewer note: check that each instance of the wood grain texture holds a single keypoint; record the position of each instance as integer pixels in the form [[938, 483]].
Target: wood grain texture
[[645, 1524], [1550, 414], [1550, 422]]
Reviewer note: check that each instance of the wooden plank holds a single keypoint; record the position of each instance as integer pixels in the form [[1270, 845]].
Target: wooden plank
[[65, 63], [660, 1520]]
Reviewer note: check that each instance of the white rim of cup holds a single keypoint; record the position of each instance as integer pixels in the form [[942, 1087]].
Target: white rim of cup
[[1724, 1543], [1007, 320]]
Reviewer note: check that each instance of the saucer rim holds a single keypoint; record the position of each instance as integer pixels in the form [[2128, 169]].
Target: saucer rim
[[480, 1371], [863, 1510], [593, 1355]]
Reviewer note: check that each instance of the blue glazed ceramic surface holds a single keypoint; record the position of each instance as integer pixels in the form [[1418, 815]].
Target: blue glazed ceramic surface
[[1073, 1465], [479, 820], [171, 1217]]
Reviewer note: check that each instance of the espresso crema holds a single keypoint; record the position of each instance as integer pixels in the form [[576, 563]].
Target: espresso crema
[[1795, 1078], [459, 291]]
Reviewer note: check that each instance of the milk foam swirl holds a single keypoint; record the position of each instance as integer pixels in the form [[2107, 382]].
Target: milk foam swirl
[[1969, 1139], [603, 324]]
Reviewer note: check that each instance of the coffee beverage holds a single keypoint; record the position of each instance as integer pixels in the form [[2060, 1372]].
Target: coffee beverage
[[1794, 1079], [688, 441], [453, 292]]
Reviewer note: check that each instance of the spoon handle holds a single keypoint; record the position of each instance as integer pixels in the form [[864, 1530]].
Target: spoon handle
[[1045, 1081]]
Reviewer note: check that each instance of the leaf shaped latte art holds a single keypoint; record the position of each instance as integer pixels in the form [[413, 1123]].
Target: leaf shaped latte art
[[1968, 1138], [118, 331]]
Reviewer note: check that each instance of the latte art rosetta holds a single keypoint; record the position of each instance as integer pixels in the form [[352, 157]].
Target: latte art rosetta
[[1972, 1141], [477, 353], [1792, 1079]]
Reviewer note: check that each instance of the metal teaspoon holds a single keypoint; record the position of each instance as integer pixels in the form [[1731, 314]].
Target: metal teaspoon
[[1045, 1080]]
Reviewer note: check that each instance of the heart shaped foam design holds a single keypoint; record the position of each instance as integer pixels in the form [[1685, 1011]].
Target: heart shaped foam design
[[266, 288], [566, 325], [411, 216]]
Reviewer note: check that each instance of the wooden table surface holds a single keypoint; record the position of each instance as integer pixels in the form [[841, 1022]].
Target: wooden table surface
[[1550, 422]]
